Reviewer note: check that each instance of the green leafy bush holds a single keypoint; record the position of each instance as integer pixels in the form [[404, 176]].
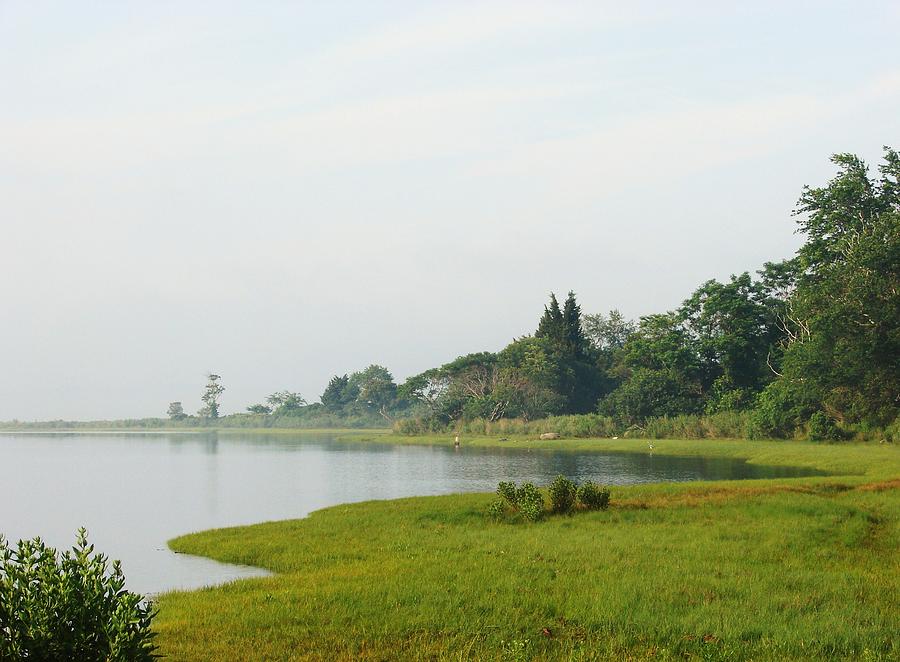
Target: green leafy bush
[[496, 510], [562, 495], [507, 492], [69, 606], [530, 502], [593, 496], [823, 428], [525, 500], [565, 494]]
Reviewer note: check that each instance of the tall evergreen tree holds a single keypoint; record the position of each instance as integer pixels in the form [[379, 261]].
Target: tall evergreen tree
[[574, 334], [339, 394], [579, 380], [552, 324]]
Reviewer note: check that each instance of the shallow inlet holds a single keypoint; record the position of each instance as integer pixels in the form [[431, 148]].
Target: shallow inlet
[[134, 491]]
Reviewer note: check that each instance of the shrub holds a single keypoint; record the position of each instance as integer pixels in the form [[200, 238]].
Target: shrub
[[562, 495], [69, 606], [496, 510], [823, 428], [530, 502], [892, 431], [526, 500], [593, 496], [507, 492]]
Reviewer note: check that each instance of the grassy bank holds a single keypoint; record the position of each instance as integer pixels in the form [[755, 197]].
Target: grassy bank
[[720, 425], [775, 569]]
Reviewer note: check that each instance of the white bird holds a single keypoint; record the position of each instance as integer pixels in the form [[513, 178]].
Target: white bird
[[650, 444]]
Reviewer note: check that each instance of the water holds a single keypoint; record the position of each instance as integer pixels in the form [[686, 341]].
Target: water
[[135, 491]]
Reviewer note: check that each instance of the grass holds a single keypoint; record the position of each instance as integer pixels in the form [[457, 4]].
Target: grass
[[772, 569]]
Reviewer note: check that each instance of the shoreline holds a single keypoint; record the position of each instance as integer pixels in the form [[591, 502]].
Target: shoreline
[[672, 567]]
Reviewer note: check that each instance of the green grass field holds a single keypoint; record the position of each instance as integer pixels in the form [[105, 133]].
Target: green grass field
[[799, 569]]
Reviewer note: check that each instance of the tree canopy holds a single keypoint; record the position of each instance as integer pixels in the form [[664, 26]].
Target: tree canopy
[[811, 342], [812, 338]]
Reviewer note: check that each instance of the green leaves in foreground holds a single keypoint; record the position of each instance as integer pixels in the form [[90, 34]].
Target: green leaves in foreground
[[69, 606], [565, 497]]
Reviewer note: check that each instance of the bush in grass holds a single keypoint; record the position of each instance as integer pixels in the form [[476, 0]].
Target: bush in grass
[[69, 606], [593, 496], [562, 495], [530, 502], [507, 492], [526, 500], [496, 510]]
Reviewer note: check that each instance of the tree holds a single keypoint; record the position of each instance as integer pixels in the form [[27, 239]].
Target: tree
[[430, 389], [576, 343], [579, 381], [376, 389], [259, 409], [661, 372], [176, 411], [552, 325], [339, 394], [842, 346], [649, 393], [211, 397], [732, 330], [286, 403], [608, 332]]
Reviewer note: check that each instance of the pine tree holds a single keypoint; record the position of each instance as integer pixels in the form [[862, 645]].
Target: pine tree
[[574, 335], [551, 325], [333, 396]]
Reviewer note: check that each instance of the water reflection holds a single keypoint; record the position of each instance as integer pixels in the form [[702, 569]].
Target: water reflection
[[135, 491]]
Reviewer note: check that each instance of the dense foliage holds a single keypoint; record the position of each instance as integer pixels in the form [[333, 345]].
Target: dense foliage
[[809, 345], [69, 606]]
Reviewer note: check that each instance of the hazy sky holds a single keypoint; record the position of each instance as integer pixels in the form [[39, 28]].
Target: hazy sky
[[282, 191]]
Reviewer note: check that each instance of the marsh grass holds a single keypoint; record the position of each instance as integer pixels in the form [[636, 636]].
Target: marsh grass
[[772, 569], [720, 425]]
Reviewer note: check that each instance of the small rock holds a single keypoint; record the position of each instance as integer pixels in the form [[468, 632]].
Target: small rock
[[550, 435]]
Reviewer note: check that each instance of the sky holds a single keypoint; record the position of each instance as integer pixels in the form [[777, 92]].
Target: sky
[[279, 192]]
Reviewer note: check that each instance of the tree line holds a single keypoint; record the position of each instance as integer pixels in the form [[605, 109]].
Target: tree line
[[811, 342]]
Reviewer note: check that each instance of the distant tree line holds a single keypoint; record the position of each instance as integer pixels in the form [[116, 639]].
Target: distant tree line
[[811, 342], [364, 398]]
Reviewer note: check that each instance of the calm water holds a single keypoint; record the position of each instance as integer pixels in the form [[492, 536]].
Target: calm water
[[135, 491]]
